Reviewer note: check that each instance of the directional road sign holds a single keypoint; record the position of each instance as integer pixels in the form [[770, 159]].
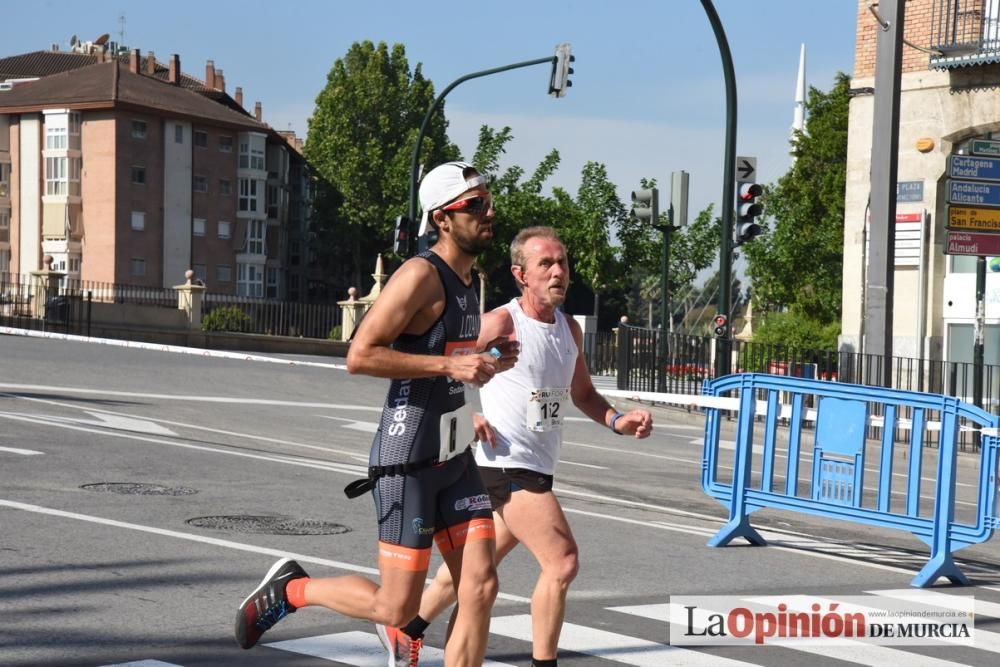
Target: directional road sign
[[965, 243], [971, 192], [985, 147], [746, 169], [973, 219], [974, 167]]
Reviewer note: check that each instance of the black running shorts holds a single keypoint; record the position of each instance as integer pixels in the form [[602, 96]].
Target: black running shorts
[[415, 510], [501, 482]]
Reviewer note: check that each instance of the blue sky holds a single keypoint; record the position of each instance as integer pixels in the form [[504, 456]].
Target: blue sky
[[648, 94]]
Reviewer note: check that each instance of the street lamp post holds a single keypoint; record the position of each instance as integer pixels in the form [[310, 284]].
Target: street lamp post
[[561, 59], [723, 360]]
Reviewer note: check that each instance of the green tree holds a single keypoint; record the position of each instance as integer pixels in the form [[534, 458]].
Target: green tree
[[797, 262], [360, 141], [587, 234]]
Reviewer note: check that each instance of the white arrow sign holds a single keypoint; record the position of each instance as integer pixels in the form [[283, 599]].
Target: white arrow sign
[[117, 422]]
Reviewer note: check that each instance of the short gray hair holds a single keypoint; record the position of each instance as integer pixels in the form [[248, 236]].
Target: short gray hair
[[525, 235]]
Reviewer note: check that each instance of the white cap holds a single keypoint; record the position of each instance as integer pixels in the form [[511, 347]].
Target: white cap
[[441, 185]]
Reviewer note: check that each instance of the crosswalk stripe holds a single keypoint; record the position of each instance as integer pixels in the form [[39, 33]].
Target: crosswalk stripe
[[610, 645], [358, 649], [143, 663], [657, 612], [937, 599]]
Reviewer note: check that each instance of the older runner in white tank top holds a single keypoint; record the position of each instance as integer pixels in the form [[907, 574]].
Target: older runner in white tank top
[[527, 404], [520, 434]]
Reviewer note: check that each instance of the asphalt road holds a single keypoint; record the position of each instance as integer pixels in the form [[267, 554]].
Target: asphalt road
[[143, 494]]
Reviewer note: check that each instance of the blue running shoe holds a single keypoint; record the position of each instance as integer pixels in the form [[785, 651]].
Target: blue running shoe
[[268, 604]]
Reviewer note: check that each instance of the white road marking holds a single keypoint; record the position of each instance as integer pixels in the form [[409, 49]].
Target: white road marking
[[610, 645], [214, 541], [583, 465], [305, 463], [359, 649], [188, 397], [23, 452], [144, 663]]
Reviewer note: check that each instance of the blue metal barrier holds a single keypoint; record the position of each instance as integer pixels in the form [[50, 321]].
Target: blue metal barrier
[[837, 485]]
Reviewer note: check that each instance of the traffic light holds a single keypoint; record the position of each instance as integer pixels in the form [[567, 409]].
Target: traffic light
[[401, 238], [721, 323], [559, 81], [646, 205], [747, 210]]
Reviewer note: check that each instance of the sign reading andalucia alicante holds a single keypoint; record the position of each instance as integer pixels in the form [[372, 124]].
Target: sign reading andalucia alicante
[[976, 194]]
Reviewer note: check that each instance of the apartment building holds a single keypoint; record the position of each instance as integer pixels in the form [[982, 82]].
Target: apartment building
[[949, 106], [125, 170]]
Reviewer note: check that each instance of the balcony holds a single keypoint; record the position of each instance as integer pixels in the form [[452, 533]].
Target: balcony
[[965, 32]]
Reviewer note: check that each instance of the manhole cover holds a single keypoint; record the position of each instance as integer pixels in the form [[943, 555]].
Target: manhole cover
[[269, 525], [139, 489]]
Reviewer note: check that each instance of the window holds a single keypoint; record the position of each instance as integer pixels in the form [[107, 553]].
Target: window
[[271, 200], [74, 124], [138, 266], [139, 175], [74, 264], [251, 154], [200, 271], [226, 144], [56, 137], [225, 186], [55, 175], [224, 230], [138, 221], [200, 184], [255, 237], [75, 166], [178, 134], [224, 273], [250, 281], [138, 129], [198, 227], [256, 158], [248, 195], [201, 139], [272, 283], [4, 228]]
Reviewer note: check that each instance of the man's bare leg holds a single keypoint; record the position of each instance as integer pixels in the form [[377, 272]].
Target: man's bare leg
[[537, 520], [474, 572]]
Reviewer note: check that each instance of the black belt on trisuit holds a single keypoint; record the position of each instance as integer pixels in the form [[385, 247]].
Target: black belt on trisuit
[[362, 486]]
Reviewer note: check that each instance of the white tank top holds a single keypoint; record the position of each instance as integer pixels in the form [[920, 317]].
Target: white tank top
[[526, 404]]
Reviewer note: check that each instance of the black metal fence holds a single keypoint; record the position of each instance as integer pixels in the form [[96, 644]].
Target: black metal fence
[[649, 360], [259, 316], [66, 311], [278, 318]]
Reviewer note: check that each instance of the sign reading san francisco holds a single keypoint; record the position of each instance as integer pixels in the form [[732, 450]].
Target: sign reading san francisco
[[974, 219]]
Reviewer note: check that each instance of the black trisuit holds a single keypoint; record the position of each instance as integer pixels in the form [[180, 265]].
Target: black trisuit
[[446, 501]]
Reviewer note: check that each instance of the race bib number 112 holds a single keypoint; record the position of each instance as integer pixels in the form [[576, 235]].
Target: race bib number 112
[[545, 408]]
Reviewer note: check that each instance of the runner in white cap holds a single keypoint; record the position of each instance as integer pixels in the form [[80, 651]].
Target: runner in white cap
[[421, 333]]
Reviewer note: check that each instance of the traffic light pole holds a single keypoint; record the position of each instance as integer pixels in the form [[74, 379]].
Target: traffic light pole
[[723, 360], [415, 161]]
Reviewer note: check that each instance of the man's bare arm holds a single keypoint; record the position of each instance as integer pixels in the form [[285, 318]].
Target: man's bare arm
[[410, 303]]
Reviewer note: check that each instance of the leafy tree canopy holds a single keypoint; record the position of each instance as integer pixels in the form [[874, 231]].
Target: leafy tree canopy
[[797, 263]]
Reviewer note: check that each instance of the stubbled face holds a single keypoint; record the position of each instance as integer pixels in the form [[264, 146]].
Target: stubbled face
[[472, 231], [545, 274]]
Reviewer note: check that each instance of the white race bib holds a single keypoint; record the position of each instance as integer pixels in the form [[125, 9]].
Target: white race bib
[[545, 408], [457, 432]]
